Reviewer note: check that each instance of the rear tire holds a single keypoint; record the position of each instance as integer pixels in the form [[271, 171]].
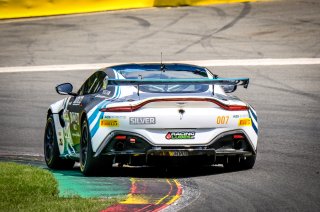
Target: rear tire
[[90, 165], [248, 163], [51, 148]]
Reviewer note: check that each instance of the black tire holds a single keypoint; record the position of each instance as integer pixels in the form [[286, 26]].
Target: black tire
[[51, 148], [248, 163], [234, 164], [231, 163], [90, 165]]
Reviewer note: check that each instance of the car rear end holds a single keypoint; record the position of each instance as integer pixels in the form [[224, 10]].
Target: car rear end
[[179, 130]]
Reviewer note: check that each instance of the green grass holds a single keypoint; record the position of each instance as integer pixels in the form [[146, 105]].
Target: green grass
[[28, 188]]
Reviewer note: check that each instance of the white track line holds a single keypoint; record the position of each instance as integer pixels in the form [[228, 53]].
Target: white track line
[[229, 62]]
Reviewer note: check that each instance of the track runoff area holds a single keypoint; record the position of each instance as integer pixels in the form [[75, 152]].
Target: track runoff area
[[147, 194], [215, 63]]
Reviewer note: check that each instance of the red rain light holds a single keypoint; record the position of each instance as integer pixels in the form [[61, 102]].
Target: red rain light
[[238, 136], [132, 140]]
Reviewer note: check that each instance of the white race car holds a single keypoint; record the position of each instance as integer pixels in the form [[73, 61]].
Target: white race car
[[151, 114]]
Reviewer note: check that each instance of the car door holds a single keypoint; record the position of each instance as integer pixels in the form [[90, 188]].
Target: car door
[[77, 104]]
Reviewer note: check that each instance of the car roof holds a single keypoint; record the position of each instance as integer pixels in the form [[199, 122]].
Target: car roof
[[157, 66]]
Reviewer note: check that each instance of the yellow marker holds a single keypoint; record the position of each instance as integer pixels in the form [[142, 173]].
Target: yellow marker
[[243, 122], [32, 8], [109, 123], [177, 195]]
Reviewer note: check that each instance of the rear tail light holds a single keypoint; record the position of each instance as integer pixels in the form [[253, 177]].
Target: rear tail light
[[131, 108], [236, 107], [117, 109]]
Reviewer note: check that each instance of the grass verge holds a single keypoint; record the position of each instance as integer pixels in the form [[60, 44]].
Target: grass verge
[[28, 188]]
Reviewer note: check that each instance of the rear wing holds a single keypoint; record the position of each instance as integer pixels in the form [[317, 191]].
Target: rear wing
[[217, 81]]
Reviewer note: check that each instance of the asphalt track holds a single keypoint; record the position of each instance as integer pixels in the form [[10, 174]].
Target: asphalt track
[[286, 174]]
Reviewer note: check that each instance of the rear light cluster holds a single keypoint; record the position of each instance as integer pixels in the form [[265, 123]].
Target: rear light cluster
[[122, 141], [125, 142], [234, 141], [131, 108], [238, 140], [125, 138]]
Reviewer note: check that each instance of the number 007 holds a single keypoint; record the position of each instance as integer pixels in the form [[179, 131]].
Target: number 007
[[222, 119]]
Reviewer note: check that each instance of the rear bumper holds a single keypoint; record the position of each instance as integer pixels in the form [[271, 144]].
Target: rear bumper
[[144, 152], [233, 152], [181, 152]]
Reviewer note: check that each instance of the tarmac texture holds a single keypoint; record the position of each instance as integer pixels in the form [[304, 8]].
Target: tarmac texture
[[286, 98]]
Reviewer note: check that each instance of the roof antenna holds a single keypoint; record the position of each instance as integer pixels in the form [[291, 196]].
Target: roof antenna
[[162, 66], [140, 77]]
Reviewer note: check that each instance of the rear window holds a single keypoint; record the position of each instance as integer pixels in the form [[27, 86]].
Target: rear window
[[168, 74]]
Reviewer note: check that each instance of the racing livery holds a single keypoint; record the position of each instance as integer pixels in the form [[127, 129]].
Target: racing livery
[[151, 114]]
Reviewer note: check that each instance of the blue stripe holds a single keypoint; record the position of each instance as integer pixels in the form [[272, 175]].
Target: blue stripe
[[95, 113], [254, 115], [96, 126], [253, 125]]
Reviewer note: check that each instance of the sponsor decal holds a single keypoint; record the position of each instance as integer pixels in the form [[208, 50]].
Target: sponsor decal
[[142, 120], [243, 122], [100, 96], [76, 134], [74, 120], [78, 100], [180, 135], [109, 123], [114, 117], [106, 92], [222, 120], [66, 115], [74, 117], [239, 116]]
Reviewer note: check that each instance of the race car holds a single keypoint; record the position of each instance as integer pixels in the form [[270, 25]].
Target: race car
[[151, 114]]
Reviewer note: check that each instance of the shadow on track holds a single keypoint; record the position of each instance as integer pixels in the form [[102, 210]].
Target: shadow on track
[[129, 171], [164, 172]]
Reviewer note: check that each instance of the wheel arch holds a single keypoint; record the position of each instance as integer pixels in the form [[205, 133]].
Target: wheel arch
[[49, 113], [83, 116]]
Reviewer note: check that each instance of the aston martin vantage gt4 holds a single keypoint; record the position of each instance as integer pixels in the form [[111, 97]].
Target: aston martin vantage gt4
[[151, 114]]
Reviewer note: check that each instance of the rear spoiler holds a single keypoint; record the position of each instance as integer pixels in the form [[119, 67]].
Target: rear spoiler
[[217, 81]]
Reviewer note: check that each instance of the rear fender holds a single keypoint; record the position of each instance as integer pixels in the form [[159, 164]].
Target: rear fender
[[55, 109]]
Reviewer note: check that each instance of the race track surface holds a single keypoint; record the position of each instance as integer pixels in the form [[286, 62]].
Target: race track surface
[[286, 98]]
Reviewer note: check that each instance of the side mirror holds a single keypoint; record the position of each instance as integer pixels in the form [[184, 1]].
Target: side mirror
[[229, 88], [65, 89]]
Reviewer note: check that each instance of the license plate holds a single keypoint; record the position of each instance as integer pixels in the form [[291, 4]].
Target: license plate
[[178, 153]]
